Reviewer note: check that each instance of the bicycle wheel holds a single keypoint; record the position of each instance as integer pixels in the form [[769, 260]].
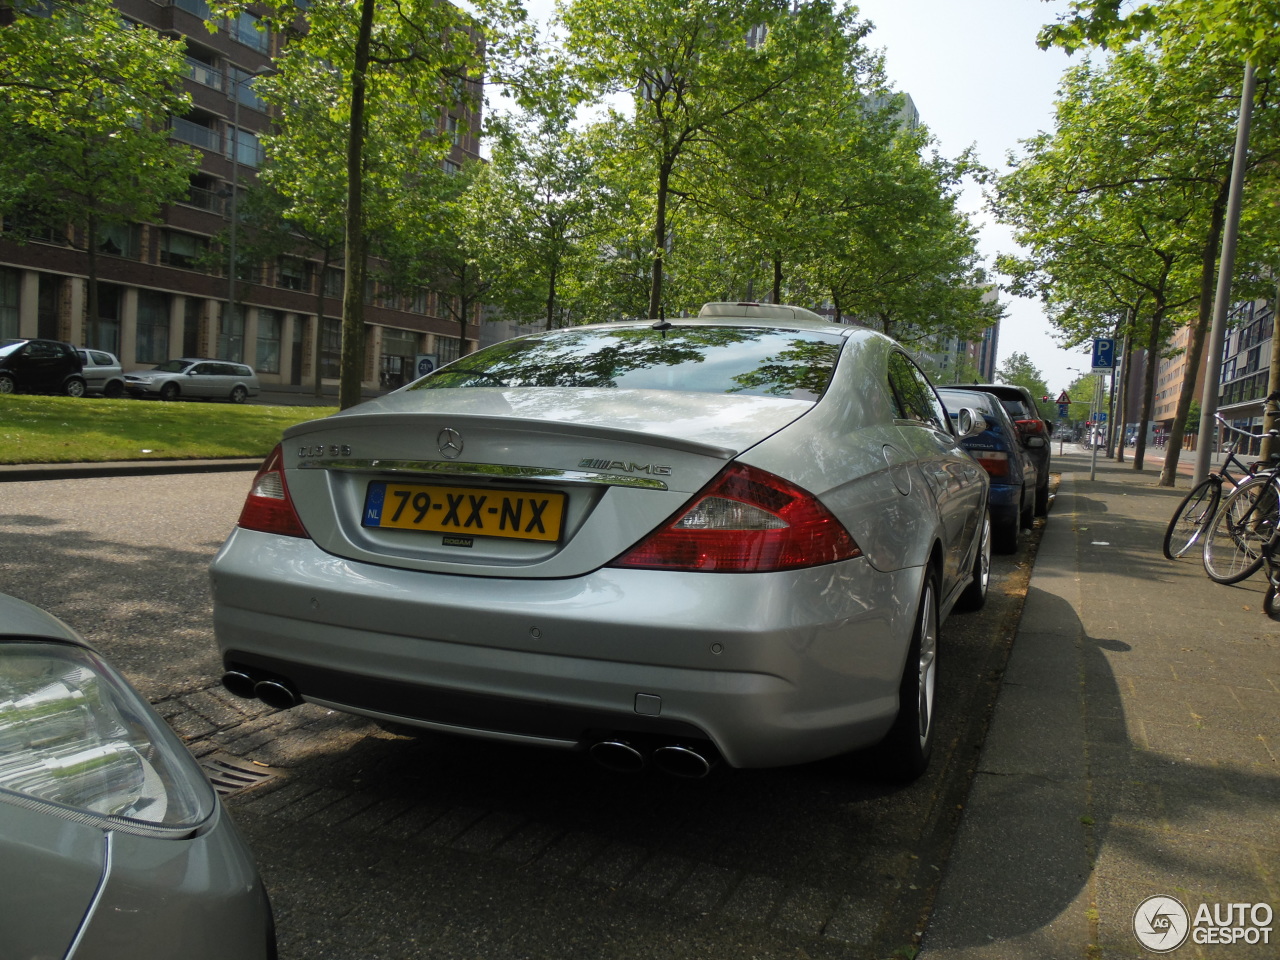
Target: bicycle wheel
[[1243, 524], [1194, 513]]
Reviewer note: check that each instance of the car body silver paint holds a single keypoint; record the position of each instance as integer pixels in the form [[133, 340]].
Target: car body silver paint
[[809, 663]]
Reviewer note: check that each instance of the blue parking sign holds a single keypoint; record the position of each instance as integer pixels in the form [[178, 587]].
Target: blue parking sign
[[1104, 353]]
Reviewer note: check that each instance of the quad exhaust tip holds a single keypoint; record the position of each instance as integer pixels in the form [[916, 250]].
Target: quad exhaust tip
[[618, 756], [273, 692], [675, 759]]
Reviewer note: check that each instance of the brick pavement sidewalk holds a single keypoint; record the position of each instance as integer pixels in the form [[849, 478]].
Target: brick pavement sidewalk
[[1133, 752]]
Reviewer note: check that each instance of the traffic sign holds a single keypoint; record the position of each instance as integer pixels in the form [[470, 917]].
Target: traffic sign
[[1102, 416], [1063, 398], [1104, 353], [1063, 410]]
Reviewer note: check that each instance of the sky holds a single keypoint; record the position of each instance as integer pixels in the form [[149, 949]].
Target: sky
[[974, 71]]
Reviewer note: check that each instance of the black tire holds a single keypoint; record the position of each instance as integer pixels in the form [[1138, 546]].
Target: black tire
[[1042, 499], [75, 387], [239, 394], [169, 391], [1006, 533], [975, 595], [1270, 604], [909, 743], [1242, 526], [113, 390], [7, 384], [1192, 516]]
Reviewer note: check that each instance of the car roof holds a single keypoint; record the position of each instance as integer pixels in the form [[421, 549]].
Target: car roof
[[999, 389]]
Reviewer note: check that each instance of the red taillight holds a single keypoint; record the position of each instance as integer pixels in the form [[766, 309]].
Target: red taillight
[[746, 521], [1029, 427], [995, 462], [269, 507]]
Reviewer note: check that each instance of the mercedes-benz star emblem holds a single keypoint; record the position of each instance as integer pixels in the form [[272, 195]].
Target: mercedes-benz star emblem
[[450, 442]]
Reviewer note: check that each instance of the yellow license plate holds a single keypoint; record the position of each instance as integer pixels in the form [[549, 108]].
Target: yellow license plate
[[477, 511]]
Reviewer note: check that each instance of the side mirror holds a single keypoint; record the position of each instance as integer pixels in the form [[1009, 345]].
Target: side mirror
[[969, 423]]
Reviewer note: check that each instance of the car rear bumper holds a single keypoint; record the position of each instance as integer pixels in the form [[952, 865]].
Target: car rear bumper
[[773, 669]]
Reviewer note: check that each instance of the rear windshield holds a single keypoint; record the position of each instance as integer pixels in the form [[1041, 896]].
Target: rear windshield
[[794, 364]]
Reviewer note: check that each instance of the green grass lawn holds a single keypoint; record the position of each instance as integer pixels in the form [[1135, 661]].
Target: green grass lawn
[[87, 430]]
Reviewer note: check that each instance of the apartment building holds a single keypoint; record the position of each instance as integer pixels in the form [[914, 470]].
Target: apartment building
[[156, 299]]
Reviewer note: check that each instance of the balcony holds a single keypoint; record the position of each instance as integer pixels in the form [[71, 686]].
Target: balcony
[[204, 74], [197, 7], [194, 134]]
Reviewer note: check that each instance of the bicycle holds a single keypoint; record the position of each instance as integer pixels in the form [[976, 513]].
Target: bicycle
[[1198, 508], [1246, 522]]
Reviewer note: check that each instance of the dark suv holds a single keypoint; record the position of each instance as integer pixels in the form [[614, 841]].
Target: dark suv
[[1021, 407], [40, 366]]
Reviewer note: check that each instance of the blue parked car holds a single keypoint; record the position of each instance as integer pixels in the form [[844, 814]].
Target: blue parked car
[[1004, 453]]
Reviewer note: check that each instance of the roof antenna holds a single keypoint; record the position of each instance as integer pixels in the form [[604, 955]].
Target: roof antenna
[[662, 323]]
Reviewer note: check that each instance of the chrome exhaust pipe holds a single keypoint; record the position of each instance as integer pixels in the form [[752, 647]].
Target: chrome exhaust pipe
[[239, 683], [681, 761], [617, 755], [276, 693]]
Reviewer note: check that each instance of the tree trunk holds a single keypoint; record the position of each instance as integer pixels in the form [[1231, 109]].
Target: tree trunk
[[326, 259], [1195, 349], [1148, 387], [777, 277], [352, 368], [1122, 392], [659, 242], [89, 336]]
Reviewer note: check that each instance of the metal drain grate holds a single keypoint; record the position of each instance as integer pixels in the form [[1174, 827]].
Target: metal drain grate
[[231, 775]]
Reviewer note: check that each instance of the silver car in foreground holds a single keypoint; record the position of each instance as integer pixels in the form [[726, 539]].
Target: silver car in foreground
[[112, 841], [197, 379], [725, 537]]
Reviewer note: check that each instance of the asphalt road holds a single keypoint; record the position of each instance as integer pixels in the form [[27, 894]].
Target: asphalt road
[[378, 845]]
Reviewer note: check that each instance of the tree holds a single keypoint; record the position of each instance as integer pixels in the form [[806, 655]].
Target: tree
[[85, 98], [693, 68], [1122, 206], [360, 93], [530, 213], [1018, 371]]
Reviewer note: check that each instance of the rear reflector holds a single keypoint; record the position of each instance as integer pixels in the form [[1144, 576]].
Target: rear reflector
[[746, 521]]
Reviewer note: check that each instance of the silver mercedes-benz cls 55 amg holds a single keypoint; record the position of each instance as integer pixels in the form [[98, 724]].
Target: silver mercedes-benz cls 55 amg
[[730, 537]]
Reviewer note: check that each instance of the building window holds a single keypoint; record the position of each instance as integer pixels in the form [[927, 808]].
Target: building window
[[331, 348], [247, 29], [103, 332], [153, 326], [418, 301], [192, 317], [10, 286], [292, 274], [333, 282], [118, 240], [448, 349], [182, 249], [231, 334], [248, 149], [270, 328]]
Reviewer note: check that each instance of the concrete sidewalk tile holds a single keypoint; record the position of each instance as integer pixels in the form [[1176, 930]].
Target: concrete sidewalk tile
[[1137, 757]]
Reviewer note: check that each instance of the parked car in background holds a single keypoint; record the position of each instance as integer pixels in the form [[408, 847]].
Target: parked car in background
[[194, 379], [1006, 456], [40, 366], [1021, 407], [102, 373], [113, 842], [727, 537]]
